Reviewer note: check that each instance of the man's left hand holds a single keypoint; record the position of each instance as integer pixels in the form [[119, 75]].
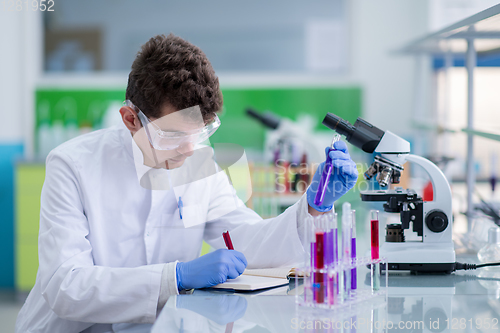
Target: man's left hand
[[343, 178]]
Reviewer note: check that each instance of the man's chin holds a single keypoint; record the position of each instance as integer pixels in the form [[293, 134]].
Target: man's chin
[[172, 164]]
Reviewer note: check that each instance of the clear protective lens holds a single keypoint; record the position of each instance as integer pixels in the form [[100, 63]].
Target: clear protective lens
[[186, 126], [164, 140]]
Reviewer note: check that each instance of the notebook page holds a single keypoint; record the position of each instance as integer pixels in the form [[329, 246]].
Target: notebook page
[[279, 272], [248, 282]]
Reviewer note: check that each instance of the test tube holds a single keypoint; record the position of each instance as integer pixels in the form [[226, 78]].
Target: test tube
[[354, 275], [325, 175], [286, 166], [374, 234], [336, 251], [374, 222], [277, 156], [331, 220], [346, 243], [319, 263], [328, 240], [308, 234], [309, 242], [493, 177]]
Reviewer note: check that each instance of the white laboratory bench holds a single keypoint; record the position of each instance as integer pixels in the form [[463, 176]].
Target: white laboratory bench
[[460, 302]]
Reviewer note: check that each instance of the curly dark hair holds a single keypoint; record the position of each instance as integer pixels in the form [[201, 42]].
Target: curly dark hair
[[171, 71]]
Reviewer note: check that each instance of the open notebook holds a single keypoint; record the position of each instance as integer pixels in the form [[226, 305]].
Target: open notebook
[[255, 279], [280, 272]]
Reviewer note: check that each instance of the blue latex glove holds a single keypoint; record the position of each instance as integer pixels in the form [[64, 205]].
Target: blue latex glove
[[211, 269], [343, 178]]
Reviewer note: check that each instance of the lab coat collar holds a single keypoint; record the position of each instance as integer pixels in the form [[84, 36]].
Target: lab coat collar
[[134, 153], [197, 167]]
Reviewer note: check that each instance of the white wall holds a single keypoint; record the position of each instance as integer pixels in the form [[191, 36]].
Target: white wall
[[249, 35], [10, 78], [20, 63], [379, 28]]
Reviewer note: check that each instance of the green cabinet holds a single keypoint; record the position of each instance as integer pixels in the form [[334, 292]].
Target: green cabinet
[[88, 107], [29, 180]]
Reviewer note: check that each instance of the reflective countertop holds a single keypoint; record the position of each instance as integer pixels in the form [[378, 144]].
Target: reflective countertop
[[465, 301]]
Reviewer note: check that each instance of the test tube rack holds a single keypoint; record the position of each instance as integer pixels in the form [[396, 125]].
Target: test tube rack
[[367, 316], [328, 285]]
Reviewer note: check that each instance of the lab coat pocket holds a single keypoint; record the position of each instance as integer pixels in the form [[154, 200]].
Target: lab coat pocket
[[192, 216], [181, 239]]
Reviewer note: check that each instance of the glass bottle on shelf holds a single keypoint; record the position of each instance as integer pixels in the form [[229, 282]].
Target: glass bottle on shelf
[[491, 251]]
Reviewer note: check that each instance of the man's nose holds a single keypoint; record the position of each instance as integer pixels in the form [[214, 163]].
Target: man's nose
[[186, 149]]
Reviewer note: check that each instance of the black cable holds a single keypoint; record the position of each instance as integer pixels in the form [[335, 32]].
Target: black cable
[[466, 267], [488, 264]]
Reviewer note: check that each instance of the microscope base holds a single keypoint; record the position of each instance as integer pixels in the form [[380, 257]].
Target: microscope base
[[419, 256], [447, 268]]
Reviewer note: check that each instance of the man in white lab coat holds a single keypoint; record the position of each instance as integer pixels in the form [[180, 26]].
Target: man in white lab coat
[[112, 246]]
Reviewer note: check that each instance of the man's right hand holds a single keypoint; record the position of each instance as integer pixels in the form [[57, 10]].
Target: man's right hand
[[211, 269]]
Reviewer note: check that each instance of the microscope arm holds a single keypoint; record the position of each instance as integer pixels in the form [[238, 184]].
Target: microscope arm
[[441, 203], [441, 188]]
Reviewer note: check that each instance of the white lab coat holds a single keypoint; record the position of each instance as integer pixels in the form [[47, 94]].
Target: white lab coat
[[104, 240]]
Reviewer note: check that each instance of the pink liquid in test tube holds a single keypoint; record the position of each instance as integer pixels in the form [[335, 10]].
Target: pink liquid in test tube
[[319, 289], [375, 250], [374, 234]]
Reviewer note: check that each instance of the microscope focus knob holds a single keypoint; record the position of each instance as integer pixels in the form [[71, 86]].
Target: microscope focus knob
[[436, 221]]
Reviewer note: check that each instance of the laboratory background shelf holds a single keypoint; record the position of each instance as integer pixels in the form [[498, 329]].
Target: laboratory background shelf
[[484, 134], [483, 28], [473, 38]]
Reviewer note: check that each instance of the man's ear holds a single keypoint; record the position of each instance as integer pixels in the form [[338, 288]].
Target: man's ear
[[130, 119]]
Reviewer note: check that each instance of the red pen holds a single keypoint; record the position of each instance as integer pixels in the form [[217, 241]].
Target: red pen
[[229, 327], [227, 240], [229, 245]]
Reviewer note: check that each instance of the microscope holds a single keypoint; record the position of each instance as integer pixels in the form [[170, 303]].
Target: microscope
[[431, 220], [284, 131]]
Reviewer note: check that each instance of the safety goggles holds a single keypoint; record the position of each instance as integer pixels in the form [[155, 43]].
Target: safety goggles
[[171, 140]]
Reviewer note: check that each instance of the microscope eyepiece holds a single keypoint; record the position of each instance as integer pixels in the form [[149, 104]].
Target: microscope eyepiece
[[339, 125], [362, 134], [267, 119]]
